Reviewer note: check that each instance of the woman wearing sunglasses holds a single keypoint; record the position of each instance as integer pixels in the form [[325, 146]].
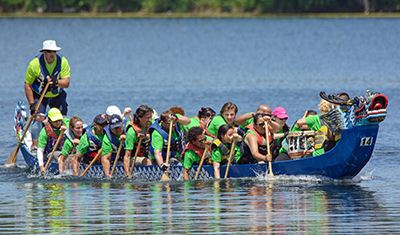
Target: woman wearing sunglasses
[[254, 146]]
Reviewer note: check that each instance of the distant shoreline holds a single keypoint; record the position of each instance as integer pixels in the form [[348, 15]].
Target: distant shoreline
[[197, 15]]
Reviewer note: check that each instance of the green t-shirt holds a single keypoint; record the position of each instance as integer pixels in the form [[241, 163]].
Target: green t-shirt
[[190, 157], [215, 123], [314, 123], [33, 71], [84, 142], [157, 141], [43, 134], [131, 138], [194, 121], [106, 146], [248, 122], [217, 154]]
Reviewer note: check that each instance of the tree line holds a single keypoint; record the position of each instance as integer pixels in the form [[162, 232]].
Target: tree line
[[200, 6]]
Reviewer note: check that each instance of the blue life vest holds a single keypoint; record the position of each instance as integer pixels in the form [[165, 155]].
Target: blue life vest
[[115, 142], [94, 142], [39, 84], [177, 145]]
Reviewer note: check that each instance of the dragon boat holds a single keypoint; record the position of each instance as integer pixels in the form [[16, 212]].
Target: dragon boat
[[358, 118]]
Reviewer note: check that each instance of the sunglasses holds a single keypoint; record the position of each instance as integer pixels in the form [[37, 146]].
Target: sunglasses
[[48, 51], [202, 141], [261, 124]]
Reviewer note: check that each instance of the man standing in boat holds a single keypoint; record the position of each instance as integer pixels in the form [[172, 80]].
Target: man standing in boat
[[46, 67]]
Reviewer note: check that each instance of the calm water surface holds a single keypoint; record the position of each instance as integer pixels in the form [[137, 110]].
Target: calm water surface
[[196, 63]]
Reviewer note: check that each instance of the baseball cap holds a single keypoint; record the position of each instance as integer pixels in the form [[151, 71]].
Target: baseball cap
[[54, 114], [100, 119], [280, 113], [115, 121]]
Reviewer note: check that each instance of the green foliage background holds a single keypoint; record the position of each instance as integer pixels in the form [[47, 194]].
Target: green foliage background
[[197, 6]]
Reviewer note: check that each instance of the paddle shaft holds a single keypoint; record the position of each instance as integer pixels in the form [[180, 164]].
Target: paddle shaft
[[136, 154], [91, 163], [165, 175], [268, 149], [230, 158], [54, 149], [12, 159], [116, 158], [201, 162]]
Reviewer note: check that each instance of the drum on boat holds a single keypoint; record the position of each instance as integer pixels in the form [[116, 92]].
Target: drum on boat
[[300, 143]]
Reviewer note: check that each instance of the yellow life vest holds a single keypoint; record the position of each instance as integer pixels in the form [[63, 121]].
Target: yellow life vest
[[320, 136]]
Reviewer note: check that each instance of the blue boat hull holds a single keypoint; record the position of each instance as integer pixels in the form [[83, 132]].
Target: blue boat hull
[[345, 160]]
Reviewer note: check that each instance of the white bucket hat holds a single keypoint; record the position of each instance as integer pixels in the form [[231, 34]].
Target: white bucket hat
[[50, 45]]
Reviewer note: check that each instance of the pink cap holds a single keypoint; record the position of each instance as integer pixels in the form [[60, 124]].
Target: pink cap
[[280, 113]]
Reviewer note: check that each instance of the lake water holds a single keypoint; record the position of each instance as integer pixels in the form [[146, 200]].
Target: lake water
[[196, 63]]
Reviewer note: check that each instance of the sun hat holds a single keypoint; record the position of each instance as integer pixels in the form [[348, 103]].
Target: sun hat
[[50, 45], [113, 110], [115, 121], [54, 114], [100, 119], [280, 113]]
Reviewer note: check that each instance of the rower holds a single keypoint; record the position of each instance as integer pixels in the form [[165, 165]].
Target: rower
[[90, 142], [246, 119], [73, 134], [255, 147], [137, 129], [226, 116], [115, 134], [48, 137], [159, 133], [194, 149], [202, 119], [221, 147]]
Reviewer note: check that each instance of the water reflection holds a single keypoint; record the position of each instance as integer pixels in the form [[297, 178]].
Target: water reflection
[[216, 206]]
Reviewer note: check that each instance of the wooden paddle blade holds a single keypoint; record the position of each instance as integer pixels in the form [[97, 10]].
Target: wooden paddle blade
[[12, 159], [270, 169], [165, 177]]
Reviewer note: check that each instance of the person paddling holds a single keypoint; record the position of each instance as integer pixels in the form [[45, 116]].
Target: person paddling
[[115, 136], [226, 116], [194, 149], [202, 119], [90, 142], [136, 130], [73, 134], [255, 147], [221, 147], [48, 137], [246, 119], [159, 132]]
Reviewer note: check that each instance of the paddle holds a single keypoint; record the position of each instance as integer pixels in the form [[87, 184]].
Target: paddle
[[165, 176], [136, 154], [230, 157], [116, 158], [12, 159], [268, 149], [91, 163], [54, 149], [201, 162]]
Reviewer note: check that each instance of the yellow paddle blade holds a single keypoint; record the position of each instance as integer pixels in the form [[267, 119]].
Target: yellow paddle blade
[[165, 177]]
